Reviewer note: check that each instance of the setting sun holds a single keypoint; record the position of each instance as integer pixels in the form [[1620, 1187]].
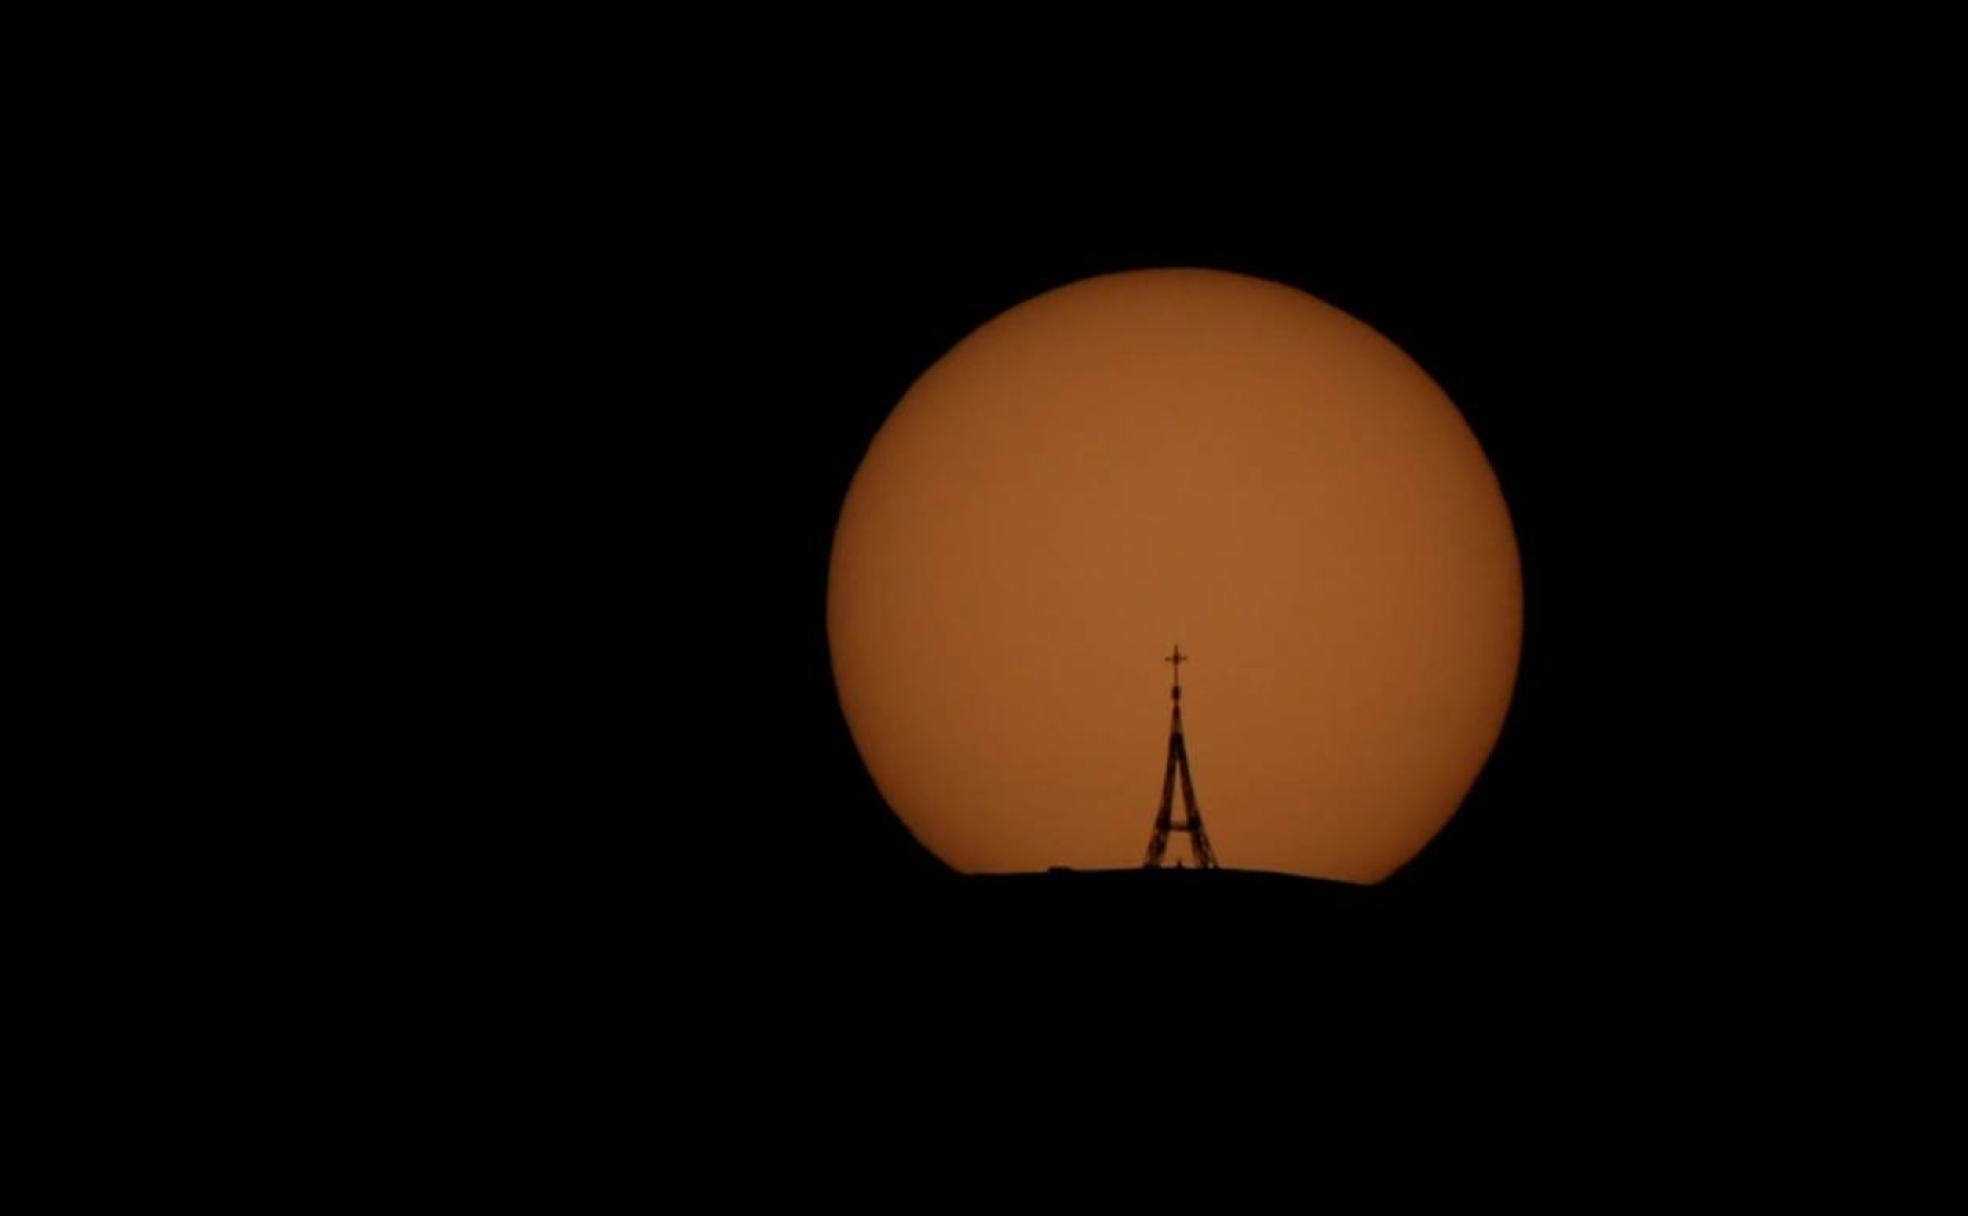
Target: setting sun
[[1162, 457]]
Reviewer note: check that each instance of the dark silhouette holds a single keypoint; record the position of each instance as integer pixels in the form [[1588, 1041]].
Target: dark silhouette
[[1178, 758]]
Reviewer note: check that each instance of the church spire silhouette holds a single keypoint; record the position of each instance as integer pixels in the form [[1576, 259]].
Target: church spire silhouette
[[1178, 758]]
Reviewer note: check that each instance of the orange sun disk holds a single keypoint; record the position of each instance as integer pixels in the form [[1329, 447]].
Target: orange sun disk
[[1175, 455]]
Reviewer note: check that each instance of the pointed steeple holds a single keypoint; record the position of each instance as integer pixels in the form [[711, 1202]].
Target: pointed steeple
[[1178, 759]]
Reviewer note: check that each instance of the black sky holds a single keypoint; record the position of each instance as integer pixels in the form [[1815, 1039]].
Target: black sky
[[674, 403]]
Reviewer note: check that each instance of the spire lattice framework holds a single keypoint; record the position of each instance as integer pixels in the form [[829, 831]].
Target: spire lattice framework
[[1178, 760]]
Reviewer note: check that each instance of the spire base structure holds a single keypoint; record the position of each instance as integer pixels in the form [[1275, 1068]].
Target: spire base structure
[[1178, 760]]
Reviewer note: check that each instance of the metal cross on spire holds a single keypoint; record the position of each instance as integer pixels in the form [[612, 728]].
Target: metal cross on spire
[[1178, 659]]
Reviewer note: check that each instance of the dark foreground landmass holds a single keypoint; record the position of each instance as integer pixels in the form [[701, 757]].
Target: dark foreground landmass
[[1069, 885], [1073, 909], [1233, 900], [1068, 931]]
